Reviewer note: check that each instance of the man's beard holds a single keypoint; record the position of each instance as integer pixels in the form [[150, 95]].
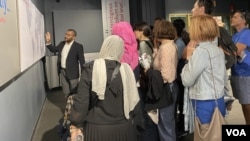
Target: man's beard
[[68, 41]]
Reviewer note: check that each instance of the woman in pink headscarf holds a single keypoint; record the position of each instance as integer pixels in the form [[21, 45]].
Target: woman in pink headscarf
[[125, 31]]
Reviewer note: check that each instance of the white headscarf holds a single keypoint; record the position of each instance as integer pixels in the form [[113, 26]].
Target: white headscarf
[[112, 49]]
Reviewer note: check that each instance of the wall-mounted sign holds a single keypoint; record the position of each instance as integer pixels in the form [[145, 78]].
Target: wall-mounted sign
[[114, 11]]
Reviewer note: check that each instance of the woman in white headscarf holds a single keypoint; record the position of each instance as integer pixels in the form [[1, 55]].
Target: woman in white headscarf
[[104, 106]]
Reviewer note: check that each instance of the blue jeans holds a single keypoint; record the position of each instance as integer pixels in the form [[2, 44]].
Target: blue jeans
[[167, 115]]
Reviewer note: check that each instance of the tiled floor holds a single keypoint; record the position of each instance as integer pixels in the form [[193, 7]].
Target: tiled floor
[[52, 112]]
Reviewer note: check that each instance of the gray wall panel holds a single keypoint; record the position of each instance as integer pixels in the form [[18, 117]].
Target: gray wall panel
[[87, 23], [21, 104]]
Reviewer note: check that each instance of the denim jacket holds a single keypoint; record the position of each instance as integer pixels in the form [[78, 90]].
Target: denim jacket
[[197, 75]]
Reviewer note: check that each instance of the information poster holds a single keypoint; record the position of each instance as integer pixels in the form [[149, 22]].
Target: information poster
[[114, 11]]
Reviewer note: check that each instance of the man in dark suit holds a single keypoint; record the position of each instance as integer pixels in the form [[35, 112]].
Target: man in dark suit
[[70, 58]]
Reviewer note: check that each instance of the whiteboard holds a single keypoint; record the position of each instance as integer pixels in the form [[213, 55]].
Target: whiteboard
[[9, 54], [31, 33]]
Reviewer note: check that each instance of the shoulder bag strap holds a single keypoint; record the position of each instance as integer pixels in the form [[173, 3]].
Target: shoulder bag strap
[[213, 78], [149, 45], [115, 72], [216, 102]]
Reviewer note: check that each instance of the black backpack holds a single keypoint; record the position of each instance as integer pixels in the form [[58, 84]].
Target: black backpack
[[228, 47]]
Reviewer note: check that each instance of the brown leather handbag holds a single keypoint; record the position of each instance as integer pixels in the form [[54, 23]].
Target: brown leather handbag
[[213, 130]]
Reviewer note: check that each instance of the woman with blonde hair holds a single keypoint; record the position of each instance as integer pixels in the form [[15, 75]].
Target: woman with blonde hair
[[205, 71]]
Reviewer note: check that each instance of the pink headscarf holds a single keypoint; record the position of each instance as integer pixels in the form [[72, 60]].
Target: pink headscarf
[[125, 31]]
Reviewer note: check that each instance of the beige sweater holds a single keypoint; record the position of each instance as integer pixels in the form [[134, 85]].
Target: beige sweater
[[165, 60]]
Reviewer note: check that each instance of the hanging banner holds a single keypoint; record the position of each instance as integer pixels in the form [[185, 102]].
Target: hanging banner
[[114, 11]]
